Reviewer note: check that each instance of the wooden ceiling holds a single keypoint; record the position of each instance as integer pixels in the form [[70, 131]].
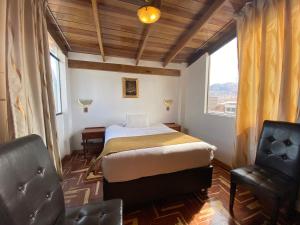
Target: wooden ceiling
[[186, 29]]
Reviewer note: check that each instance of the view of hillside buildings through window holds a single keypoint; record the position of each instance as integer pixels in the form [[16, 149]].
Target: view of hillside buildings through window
[[223, 80]]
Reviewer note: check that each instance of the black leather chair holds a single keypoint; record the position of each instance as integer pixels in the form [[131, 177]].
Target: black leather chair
[[30, 192], [276, 172]]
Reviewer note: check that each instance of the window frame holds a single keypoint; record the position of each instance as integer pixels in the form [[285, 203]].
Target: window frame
[[207, 83], [60, 111]]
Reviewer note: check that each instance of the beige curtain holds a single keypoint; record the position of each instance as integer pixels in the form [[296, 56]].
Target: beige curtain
[[269, 63], [28, 99], [3, 99]]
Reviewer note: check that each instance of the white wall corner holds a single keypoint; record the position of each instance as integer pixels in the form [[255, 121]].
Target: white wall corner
[[216, 130]]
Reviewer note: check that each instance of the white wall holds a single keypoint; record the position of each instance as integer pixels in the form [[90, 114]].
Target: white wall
[[64, 120], [217, 130], [109, 107]]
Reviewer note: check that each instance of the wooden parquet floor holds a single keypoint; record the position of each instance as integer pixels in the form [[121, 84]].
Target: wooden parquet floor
[[190, 209]]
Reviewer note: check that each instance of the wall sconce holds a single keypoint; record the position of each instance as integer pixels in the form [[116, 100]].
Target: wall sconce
[[85, 103], [168, 103]]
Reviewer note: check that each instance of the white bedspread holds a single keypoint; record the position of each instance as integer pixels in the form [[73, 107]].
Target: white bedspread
[[134, 164]]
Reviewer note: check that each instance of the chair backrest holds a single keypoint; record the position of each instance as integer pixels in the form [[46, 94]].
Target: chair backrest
[[279, 148], [30, 192]]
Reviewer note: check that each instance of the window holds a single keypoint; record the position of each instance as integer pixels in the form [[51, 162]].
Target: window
[[223, 80], [56, 83]]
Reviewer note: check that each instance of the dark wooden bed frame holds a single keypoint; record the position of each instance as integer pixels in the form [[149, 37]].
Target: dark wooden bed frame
[[156, 187]]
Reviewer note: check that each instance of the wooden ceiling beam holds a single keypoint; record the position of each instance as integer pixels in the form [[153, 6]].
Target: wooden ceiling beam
[[142, 45], [134, 2], [56, 32], [227, 34], [77, 64], [98, 27], [191, 32], [146, 33]]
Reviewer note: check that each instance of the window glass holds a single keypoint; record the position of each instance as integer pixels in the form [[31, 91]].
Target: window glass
[[52, 46], [56, 83], [223, 80]]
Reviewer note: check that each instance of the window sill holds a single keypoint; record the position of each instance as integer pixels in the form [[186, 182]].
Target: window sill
[[221, 114]]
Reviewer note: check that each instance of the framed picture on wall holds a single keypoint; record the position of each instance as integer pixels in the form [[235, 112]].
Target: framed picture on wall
[[130, 87]]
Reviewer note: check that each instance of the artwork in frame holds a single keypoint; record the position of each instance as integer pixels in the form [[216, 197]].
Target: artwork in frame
[[130, 87]]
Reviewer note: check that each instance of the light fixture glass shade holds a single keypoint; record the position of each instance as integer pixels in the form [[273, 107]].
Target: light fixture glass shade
[[168, 103], [85, 103], [148, 14]]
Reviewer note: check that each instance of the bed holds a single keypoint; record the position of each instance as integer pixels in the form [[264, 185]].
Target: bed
[[146, 173]]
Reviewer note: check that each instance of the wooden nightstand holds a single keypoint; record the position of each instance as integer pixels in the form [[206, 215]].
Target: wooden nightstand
[[174, 126], [90, 136]]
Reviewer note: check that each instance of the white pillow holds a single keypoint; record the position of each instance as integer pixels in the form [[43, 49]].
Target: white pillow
[[137, 120]]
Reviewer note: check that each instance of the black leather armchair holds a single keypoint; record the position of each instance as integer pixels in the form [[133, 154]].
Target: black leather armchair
[[276, 172], [30, 192]]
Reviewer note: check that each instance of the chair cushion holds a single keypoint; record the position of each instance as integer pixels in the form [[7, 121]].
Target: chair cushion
[[279, 148], [30, 192], [104, 213], [265, 180]]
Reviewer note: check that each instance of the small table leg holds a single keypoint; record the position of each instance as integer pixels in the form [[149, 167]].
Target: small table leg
[[84, 148]]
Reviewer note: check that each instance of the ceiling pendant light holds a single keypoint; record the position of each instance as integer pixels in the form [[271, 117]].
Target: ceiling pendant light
[[148, 14]]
